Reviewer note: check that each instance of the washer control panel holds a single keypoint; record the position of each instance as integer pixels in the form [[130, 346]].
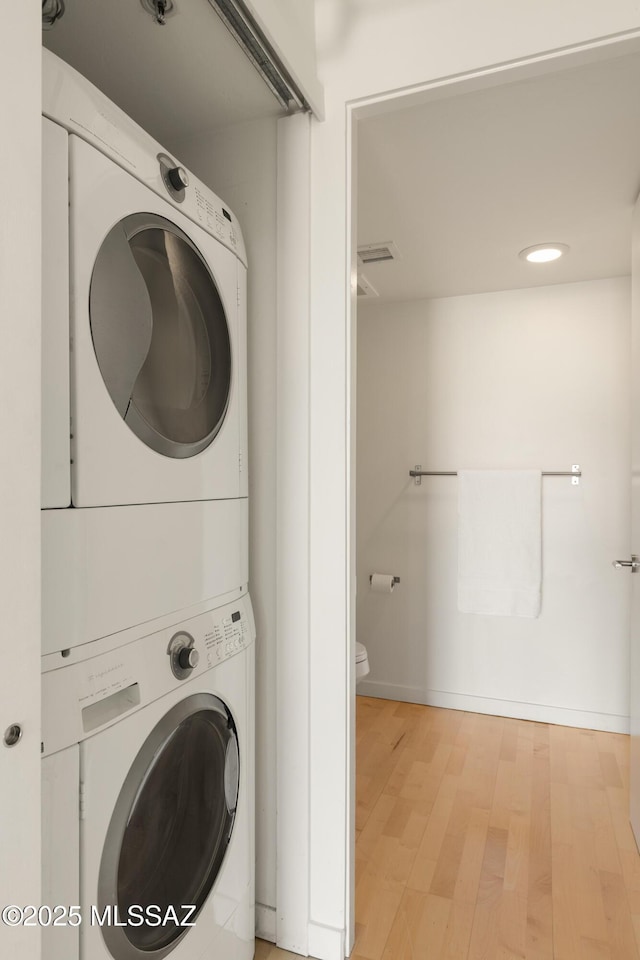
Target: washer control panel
[[227, 636], [84, 697]]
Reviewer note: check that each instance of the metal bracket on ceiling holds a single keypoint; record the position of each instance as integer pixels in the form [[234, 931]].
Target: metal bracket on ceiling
[[52, 10], [158, 9]]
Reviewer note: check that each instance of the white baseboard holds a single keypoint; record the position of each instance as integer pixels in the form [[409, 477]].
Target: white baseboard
[[326, 943], [266, 922], [540, 712]]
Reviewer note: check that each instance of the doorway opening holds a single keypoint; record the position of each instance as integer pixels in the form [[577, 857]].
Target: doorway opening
[[468, 357]]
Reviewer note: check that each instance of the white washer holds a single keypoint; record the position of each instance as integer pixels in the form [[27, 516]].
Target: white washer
[[148, 794], [156, 409]]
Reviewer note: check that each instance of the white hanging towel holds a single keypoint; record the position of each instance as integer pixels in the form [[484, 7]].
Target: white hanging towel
[[500, 542]]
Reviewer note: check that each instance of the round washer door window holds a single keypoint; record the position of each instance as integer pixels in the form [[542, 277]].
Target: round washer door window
[[170, 827], [160, 335]]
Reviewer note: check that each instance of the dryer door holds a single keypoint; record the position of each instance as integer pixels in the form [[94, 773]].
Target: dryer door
[[170, 827], [160, 335]]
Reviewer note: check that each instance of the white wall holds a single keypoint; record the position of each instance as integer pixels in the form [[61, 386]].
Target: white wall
[[20, 473], [523, 378], [239, 164], [368, 48]]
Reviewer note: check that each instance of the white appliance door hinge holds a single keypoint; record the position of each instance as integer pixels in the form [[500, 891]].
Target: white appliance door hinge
[[82, 804]]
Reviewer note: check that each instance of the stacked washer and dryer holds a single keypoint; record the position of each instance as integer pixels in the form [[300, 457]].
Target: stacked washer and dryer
[[148, 632]]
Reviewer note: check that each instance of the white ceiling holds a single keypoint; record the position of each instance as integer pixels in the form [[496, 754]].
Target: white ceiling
[[462, 185], [186, 77]]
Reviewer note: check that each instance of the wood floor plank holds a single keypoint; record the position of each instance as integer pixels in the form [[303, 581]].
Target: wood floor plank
[[539, 932], [621, 935], [377, 904], [485, 943], [458, 933], [429, 851], [468, 879], [420, 927]]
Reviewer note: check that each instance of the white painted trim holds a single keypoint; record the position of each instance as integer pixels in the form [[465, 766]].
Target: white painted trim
[[266, 922], [352, 586], [496, 75], [292, 542], [539, 712], [326, 943], [20, 429]]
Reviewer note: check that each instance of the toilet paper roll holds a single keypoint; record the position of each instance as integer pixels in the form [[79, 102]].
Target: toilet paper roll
[[382, 582]]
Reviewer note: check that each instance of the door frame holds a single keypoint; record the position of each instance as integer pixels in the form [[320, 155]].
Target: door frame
[[375, 106], [20, 269]]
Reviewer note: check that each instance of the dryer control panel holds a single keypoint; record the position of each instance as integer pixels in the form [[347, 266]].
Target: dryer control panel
[[73, 102]]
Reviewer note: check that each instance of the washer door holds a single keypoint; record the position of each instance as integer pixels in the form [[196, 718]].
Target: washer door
[[160, 335], [170, 827]]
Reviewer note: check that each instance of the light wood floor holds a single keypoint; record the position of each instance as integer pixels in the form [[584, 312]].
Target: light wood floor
[[482, 838], [486, 838]]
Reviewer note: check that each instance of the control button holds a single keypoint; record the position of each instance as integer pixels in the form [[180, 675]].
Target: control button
[[188, 658], [183, 657], [174, 177], [177, 177]]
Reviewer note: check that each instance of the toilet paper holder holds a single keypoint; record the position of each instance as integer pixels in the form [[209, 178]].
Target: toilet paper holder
[[395, 579]]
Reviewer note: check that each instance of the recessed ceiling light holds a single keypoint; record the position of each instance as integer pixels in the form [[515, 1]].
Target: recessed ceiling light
[[543, 252]]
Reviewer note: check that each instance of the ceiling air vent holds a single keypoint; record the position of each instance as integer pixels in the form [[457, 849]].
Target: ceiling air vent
[[365, 289], [378, 252]]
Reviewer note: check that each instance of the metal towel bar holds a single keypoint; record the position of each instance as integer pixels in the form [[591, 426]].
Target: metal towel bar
[[575, 473]]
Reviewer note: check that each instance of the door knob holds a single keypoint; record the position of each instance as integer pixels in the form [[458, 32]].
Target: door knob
[[634, 563]]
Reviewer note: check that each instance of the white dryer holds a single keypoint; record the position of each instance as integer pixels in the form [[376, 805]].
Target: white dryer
[[144, 399], [158, 315], [148, 795]]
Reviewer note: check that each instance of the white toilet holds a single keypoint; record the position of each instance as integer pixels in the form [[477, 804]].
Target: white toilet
[[362, 661]]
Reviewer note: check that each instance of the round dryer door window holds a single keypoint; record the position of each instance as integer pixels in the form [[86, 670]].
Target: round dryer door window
[[160, 335], [170, 827]]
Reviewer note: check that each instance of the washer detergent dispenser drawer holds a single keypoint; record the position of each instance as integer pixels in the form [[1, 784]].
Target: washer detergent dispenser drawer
[[158, 362]]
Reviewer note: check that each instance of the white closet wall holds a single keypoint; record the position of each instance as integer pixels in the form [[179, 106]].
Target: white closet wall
[[239, 164]]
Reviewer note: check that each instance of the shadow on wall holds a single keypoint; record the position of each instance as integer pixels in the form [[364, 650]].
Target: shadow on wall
[[342, 16]]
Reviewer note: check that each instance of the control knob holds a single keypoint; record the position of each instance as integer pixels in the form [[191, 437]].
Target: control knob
[[177, 177], [188, 658], [183, 657]]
